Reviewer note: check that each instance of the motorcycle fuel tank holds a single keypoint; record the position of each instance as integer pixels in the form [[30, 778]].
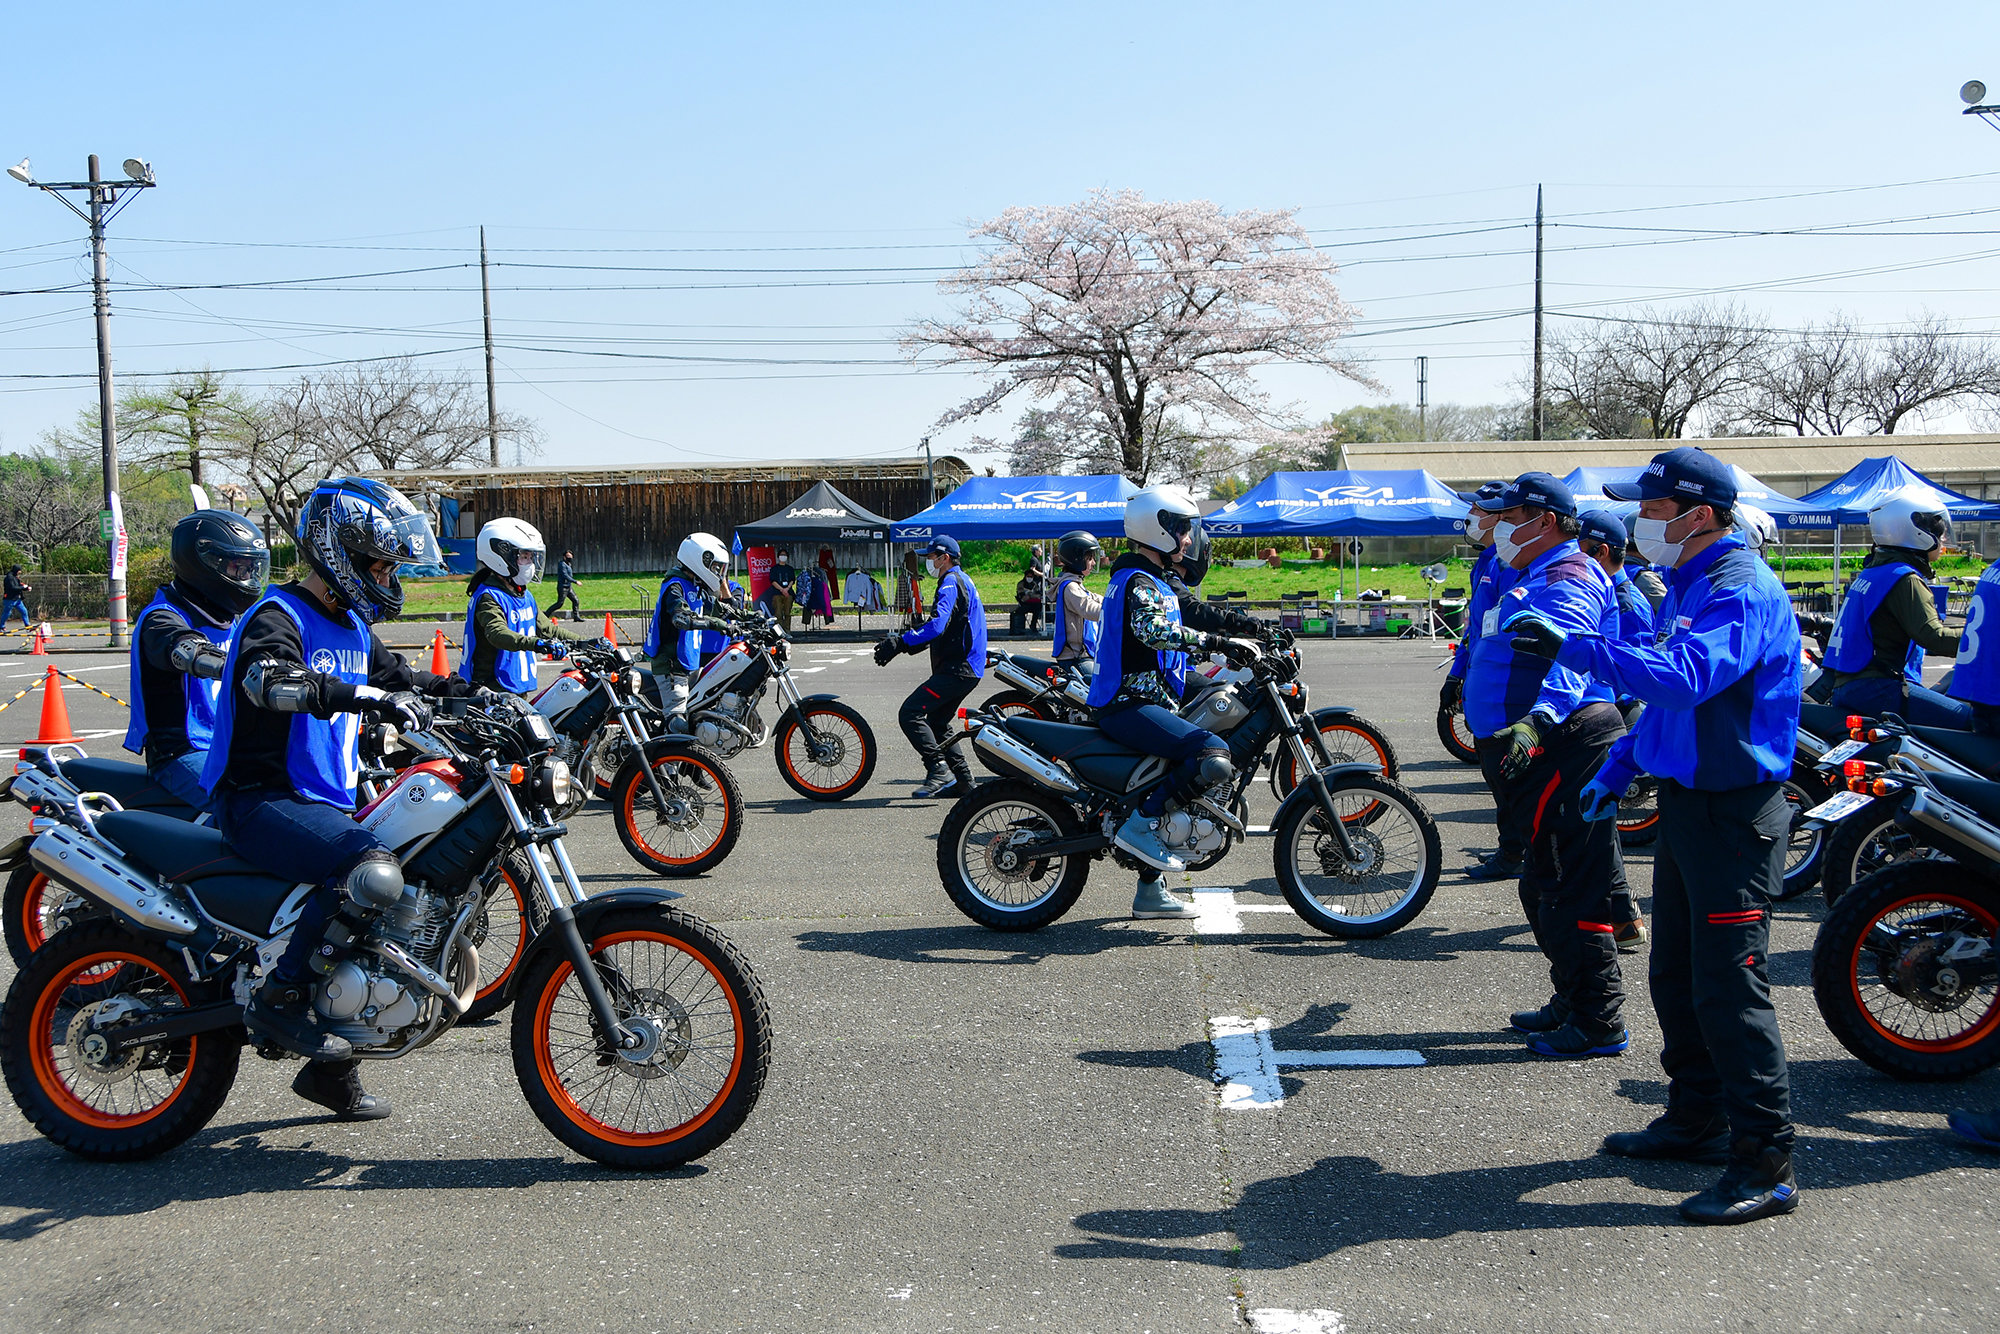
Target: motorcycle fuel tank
[[561, 695], [422, 801]]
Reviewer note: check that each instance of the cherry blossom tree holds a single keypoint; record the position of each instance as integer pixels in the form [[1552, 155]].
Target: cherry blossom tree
[[1137, 325]]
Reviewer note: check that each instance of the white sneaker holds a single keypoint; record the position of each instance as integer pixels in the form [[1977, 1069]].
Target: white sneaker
[[1140, 836]]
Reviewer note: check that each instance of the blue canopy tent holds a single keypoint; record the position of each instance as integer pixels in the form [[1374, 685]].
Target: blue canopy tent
[[1848, 498], [1390, 503], [989, 508]]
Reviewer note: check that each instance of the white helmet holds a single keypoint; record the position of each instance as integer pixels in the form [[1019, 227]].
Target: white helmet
[[1911, 518], [703, 556], [1757, 529], [1157, 516], [512, 549]]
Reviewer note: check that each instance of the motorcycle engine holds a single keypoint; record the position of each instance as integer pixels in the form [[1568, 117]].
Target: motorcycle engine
[[1196, 833], [364, 996], [711, 726]]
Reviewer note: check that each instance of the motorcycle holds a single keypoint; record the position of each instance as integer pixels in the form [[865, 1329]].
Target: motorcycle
[[1905, 970], [643, 1039], [1356, 853], [674, 802]]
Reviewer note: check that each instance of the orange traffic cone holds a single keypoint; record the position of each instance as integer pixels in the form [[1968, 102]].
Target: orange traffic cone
[[55, 713], [439, 666], [610, 629], [41, 644]]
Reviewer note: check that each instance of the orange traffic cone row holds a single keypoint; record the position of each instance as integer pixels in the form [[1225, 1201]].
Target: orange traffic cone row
[[439, 666], [610, 628], [55, 713], [41, 644]]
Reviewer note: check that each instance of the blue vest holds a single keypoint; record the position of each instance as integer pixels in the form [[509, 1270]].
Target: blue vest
[[687, 652], [1093, 631], [514, 669], [201, 694], [1976, 678], [1852, 646], [1171, 664], [323, 755]]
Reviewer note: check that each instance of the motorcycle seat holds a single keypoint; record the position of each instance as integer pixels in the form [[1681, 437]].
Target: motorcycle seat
[[1974, 750], [1823, 721], [1095, 757], [127, 784], [1978, 794], [175, 849]]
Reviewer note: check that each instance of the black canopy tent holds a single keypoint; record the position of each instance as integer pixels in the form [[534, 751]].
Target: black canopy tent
[[824, 516]]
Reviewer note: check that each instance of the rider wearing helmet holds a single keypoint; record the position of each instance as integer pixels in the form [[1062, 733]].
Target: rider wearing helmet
[[504, 629], [1077, 620], [1757, 529], [1888, 619], [674, 640], [1185, 574], [181, 640], [956, 633], [303, 666], [1141, 670]]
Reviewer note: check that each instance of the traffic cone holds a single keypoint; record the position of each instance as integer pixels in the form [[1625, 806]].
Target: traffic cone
[[439, 666], [610, 629], [41, 644], [55, 713]]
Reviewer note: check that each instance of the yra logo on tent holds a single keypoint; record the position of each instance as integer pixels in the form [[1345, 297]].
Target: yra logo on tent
[[1046, 497], [1327, 496], [916, 532], [1225, 529]]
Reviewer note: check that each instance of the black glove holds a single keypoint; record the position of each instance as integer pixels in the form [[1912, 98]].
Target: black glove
[[484, 698], [1453, 693], [888, 650], [1819, 627], [408, 711], [1244, 625], [1238, 652], [1536, 637]]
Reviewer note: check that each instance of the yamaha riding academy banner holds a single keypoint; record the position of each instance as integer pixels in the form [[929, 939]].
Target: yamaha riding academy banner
[[989, 508], [1868, 483], [1390, 503]]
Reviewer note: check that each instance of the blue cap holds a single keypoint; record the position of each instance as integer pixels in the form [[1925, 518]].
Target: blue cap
[[1538, 489], [1484, 497], [1605, 527], [948, 545], [1689, 474]]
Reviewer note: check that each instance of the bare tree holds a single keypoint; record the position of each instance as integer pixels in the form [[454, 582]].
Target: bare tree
[[49, 497], [1806, 384], [272, 447], [1142, 319], [1930, 365], [393, 415], [1650, 373]]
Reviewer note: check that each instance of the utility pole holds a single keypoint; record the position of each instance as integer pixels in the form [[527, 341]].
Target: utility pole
[[486, 314], [1423, 398], [930, 477], [104, 197], [1535, 409]]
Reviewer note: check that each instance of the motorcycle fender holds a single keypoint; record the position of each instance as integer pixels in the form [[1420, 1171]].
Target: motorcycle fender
[[675, 743], [807, 699], [1303, 792], [587, 913], [15, 854], [1332, 712]]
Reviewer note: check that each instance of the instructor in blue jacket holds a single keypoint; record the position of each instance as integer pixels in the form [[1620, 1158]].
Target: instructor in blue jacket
[[1722, 688]]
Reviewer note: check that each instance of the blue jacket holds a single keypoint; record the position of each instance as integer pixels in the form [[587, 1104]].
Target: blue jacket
[[955, 650], [1976, 677], [1635, 614], [1722, 679], [1570, 591], [1489, 580]]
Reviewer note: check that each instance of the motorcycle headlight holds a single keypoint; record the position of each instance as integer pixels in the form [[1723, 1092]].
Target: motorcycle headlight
[[554, 786], [635, 683]]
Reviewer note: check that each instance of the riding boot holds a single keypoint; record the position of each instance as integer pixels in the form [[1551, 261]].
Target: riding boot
[[336, 1085], [938, 781], [282, 1012], [1757, 1183], [1153, 901], [961, 774], [1139, 835]]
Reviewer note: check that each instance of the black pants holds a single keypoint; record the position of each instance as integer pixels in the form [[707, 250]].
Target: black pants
[[1721, 856], [1508, 814], [929, 711], [1570, 866], [566, 592]]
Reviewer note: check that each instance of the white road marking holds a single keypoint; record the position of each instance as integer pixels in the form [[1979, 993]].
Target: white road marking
[[1216, 911], [1271, 1320], [1247, 1064], [806, 671], [87, 735]]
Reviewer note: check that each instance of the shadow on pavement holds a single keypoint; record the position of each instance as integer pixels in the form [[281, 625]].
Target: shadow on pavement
[[973, 944]]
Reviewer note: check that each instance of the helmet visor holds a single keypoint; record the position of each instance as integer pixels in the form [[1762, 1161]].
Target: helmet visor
[[1175, 525], [528, 566]]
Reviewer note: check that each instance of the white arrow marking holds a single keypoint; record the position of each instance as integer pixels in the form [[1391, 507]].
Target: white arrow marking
[[1247, 1065]]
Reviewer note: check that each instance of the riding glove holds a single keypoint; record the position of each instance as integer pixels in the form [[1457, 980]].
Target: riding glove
[[1524, 742], [1534, 635]]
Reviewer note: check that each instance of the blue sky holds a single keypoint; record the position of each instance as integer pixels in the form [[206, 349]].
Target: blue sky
[[296, 142]]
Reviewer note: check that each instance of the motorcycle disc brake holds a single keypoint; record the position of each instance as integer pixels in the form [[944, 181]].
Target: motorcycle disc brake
[[666, 1032], [1367, 856]]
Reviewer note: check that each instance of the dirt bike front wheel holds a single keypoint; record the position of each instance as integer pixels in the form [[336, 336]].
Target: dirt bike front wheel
[[1379, 886], [704, 1052], [697, 826], [825, 750]]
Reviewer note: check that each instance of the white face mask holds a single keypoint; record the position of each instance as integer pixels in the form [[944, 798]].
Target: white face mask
[[1504, 543], [1650, 535]]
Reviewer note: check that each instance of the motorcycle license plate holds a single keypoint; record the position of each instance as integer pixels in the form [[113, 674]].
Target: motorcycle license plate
[[1839, 806], [1846, 750]]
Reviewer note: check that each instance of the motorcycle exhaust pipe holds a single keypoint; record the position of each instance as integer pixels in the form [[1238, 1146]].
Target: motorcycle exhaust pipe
[[70, 858], [994, 741], [1018, 677], [1954, 823]]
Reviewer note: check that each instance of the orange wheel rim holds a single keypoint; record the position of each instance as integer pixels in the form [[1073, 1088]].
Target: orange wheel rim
[[629, 809], [1643, 822], [560, 1090], [521, 940], [795, 732], [1959, 1042], [1368, 744], [44, 1050], [34, 925]]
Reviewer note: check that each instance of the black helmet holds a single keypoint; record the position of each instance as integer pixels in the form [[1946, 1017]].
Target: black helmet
[[1074, 550], [1194, 565], [220, 562]]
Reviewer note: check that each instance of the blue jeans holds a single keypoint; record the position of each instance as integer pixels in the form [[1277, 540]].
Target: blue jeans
[[9, 608], [1157, 731], [1877, 695], [306, 841], [182, 777]]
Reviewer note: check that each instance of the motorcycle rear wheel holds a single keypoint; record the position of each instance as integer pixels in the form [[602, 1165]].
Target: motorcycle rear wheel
[[1459, 743], [1881, 989], [1806, 853], [692, 995], [113, 1109], [1398, 859], [1862, 844], [984, 873], [705, 815], [842, 773]]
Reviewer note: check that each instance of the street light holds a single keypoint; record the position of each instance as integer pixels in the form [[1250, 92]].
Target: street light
[[1973, 94], [106, 200]]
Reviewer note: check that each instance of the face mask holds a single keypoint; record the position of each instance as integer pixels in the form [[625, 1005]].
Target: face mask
[[1651, 537], [1504, 543]]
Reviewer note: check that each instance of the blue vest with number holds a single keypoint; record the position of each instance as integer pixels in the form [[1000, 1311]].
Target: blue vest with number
[[1093, 631], [687, 651], [201, 694], [514, 669], [1976, 678], [1171, 664], [1852, 646], [323, 755]]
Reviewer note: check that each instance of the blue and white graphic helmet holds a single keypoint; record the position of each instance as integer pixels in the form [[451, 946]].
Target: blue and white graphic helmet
[[347, 524]]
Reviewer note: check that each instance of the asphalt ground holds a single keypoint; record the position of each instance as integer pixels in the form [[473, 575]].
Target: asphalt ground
[[970, 1131]]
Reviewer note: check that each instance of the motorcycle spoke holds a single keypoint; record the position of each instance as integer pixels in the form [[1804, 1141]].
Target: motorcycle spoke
[[1390, 866], [1900, 990], [987, 843]]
